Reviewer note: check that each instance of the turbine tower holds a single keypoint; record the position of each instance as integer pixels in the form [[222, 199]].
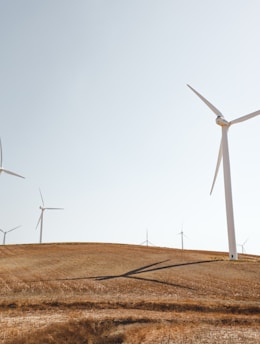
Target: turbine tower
[[182, 237], [1, 164], [40, 221], [224, 153], [5, 232], [182, 234]]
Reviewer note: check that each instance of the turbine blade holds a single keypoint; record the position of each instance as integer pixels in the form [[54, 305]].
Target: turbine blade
[[41, 197], [39, 221], [212, 107], [245, 241], [245, 118], [10, 230], [54, 208], [12, 173], [217, 167], [1, 230], [1, 152]]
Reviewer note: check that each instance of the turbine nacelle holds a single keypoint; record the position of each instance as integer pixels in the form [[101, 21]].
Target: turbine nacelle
[[222, 121]]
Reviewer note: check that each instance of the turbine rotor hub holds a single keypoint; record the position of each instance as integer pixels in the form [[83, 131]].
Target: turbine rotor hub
[[222, 121]]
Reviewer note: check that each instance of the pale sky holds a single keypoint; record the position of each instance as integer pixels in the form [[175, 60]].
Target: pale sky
[[95, 111]]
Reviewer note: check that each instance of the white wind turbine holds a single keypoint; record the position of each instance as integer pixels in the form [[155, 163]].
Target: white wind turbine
[[1, 164], [243, 246], [5, 232], [147, 242], [223, 152], [182, 241], [182, 237], [40, 221]]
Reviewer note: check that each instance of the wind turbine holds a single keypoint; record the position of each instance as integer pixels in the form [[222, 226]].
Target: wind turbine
[[40, 221], [147, 242], [224, 153], [5, 232], [243, 246], [182, 237], [1, 164]]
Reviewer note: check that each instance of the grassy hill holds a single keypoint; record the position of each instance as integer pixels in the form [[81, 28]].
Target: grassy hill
[[111, 293]]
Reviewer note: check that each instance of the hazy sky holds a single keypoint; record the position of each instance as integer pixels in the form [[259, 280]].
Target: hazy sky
[[95, 111]]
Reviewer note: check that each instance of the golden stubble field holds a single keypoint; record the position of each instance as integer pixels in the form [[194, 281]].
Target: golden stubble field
[[109, 293]]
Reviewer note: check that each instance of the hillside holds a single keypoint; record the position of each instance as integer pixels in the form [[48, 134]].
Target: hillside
[[111, 293]]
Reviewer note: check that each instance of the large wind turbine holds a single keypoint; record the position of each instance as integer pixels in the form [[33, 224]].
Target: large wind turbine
[[223, 152], [5, 232], [1, 164], [40, 221]]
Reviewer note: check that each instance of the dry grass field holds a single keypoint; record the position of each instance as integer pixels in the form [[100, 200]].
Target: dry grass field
[[108, 293]]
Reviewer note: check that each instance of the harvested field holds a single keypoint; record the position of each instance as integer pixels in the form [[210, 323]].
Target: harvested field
[[111, 293]]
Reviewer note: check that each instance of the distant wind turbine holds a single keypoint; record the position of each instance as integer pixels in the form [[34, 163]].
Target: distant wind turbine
[[243, 246], [223, 152], [40, 221], [1, 164], [182, 237], [147, 242], [5, 232], [182, 234]]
